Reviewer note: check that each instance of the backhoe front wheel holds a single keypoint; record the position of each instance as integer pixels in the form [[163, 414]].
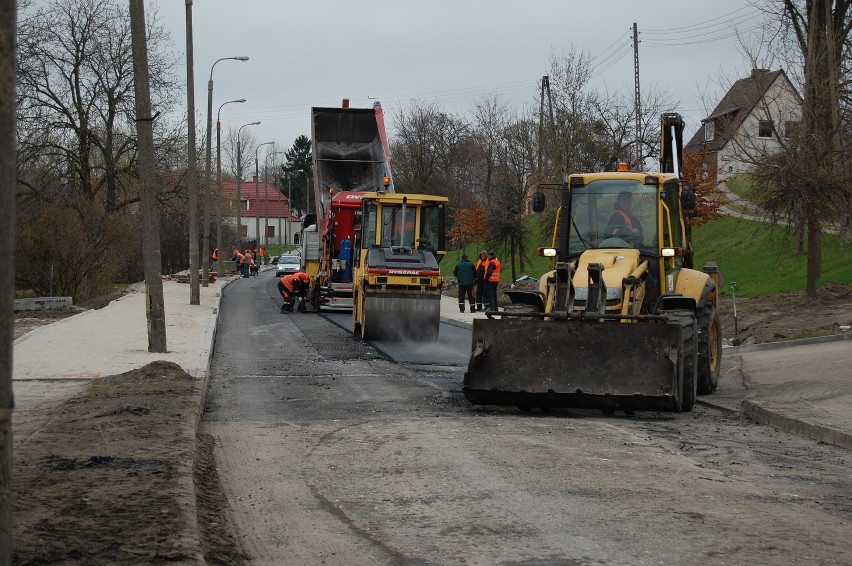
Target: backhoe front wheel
[[709, 348], [687, 359]]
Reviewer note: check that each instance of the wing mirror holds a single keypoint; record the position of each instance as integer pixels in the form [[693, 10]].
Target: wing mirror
[[688, 200], [538, 201]]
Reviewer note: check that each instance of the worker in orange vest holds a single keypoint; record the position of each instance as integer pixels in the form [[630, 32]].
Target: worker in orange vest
[[479, 280], [492, 277], [213, 257], [293, 285]]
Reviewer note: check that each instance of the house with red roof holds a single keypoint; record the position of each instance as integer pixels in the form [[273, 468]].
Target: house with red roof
[[755, 116], [261, 206]]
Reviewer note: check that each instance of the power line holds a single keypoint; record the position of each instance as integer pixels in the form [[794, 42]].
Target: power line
[[703, 24], [732, 33]]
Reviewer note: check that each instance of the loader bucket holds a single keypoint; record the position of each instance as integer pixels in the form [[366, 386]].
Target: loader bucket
[[576, 363], [401, 316]]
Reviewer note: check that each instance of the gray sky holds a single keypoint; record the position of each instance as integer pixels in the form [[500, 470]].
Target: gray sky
[[317, 52]]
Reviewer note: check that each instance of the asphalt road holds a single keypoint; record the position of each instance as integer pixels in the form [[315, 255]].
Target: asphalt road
[[330, 451]]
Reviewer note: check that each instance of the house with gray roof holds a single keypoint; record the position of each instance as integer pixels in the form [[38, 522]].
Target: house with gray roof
[[753, 118]]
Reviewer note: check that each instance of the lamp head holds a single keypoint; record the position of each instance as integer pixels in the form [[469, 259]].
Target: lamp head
[[242, 58]]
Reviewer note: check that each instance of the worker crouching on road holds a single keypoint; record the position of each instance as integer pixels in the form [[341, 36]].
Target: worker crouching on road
[[465, 275], [292, 286]]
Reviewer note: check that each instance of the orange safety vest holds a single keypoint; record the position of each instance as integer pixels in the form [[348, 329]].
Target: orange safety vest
[[495, 275], [627, 222], [216, 253], [287, 281]]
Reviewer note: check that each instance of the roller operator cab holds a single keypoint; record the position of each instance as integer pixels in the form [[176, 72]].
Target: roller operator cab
[[622, 320], [396, 282]]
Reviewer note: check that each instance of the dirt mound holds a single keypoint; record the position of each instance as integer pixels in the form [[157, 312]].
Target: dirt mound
[[108, 479]]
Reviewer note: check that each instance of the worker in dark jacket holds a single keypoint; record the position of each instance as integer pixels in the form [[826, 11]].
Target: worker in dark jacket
[[465, 276], [492, 279], [479, 280], [623, 223]]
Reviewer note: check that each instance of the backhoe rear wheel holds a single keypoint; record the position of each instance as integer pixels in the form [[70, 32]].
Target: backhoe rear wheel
[[709, 348]]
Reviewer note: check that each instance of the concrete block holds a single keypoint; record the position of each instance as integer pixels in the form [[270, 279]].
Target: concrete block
[[43, 303]]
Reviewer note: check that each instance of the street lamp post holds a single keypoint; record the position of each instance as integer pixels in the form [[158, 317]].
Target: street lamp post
[[206, 273], [257, 194], [219, 184], [266, 180], [240, 178], [289, 201]]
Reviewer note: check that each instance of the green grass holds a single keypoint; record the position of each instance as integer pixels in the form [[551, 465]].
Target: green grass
[[741, 187], [760, 259]]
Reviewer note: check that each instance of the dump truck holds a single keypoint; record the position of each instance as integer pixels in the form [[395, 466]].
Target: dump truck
[[350, 157], [622, 321], [379, 250]]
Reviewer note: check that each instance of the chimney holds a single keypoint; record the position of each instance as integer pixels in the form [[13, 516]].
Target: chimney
[[254, 178], [346, 103], [757, 72]]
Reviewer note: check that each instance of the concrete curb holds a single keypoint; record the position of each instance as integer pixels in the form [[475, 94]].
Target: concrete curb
[[457, 323], [203, 375], [786, 344], [820, 433]]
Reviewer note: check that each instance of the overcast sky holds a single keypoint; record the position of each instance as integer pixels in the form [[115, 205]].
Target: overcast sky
[[317, 52]]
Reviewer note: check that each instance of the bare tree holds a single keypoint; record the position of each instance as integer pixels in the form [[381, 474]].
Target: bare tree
[[76, 97], [809, 178]]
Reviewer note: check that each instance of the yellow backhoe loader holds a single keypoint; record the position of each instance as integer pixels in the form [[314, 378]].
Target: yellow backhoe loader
[[622, 321]]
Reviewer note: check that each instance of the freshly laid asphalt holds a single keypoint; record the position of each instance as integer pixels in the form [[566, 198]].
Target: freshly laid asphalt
[[803, 387]]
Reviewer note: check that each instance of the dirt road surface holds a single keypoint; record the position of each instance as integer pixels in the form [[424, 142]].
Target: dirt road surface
[[331, 454]]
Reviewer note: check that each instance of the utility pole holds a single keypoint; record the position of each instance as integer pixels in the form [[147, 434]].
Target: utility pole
[[8, 175], [638, 99], [151, 260], [192, 173]]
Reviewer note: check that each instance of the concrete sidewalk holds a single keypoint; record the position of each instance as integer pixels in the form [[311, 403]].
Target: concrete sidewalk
[[803, 387]]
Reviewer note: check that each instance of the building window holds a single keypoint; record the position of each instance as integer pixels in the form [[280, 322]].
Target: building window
[[791, 129], [709, 131], [764, 129]]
